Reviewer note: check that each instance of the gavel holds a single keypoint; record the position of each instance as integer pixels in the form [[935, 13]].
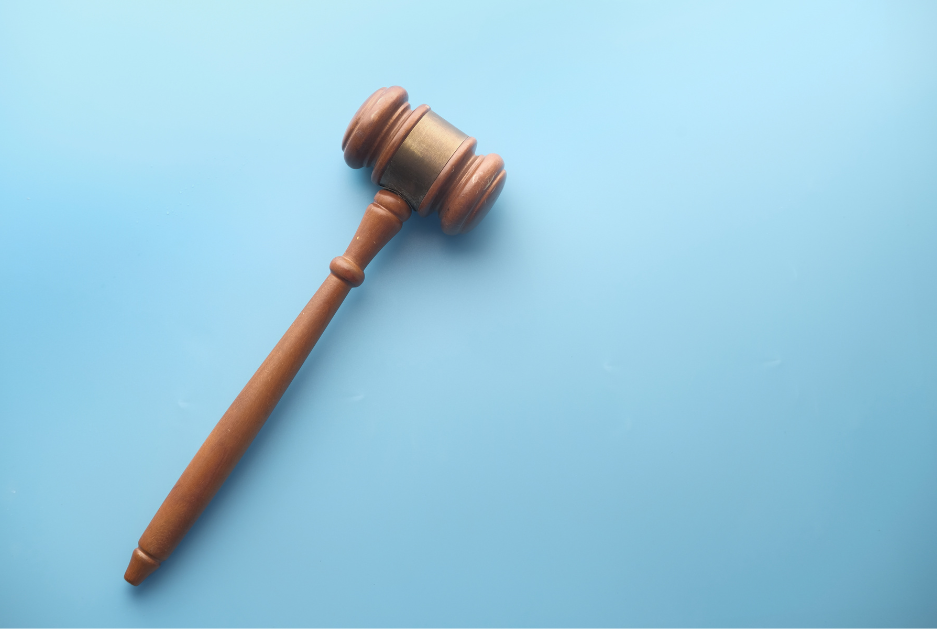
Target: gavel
[[422, 163]]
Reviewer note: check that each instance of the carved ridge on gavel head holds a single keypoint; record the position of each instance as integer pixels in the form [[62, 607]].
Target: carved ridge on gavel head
[[423, 164], [419, 155]]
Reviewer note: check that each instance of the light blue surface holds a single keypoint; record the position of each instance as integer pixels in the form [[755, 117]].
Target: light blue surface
[[685, 373]]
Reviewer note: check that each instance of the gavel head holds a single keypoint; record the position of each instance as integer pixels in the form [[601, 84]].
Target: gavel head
[[424, 159]]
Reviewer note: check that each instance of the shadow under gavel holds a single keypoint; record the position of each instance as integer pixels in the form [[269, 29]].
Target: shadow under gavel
[[423, 163]]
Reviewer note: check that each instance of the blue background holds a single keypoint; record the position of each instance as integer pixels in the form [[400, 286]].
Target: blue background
[[684, 374]]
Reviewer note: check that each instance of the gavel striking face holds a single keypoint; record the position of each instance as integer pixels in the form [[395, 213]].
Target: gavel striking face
[[423, 163]]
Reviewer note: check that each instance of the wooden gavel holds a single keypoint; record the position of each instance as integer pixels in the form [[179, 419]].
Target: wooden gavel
[[422, 163]]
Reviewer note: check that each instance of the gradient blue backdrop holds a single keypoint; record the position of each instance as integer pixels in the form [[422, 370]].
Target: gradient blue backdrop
[[684, 373]]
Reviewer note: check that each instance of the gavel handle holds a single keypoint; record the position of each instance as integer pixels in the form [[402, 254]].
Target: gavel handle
[[237, 428]]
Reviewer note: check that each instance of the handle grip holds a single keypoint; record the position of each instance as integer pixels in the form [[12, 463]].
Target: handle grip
[[228, 441]]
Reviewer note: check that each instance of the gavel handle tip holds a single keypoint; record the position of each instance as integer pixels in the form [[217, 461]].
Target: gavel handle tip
[[141, 565]]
